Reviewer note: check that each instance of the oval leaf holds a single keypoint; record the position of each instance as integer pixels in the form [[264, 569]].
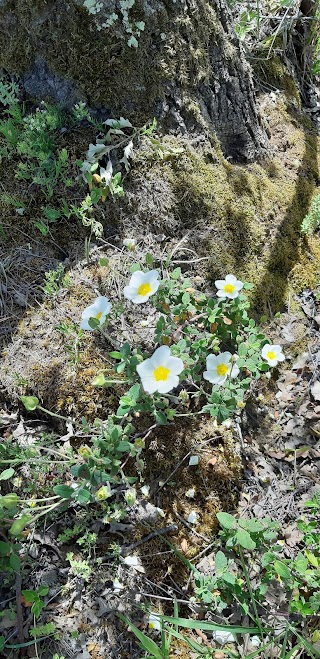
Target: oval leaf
[[7, 473], [30, 402]]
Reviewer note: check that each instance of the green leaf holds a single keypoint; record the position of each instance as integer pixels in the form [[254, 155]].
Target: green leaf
[[6, 474], [135, 267], [209, 626], [2, 643], [134, 392], [251, 525], [221, 562], [30, 595], [94, 323], [149, 259], [9, 500], [147, 643], [229, 578], [83, 495], [20, 524], [15, 562], [5, 548], [160, 418], [64, 491], [282, 570], [244, 539], [37, 607], [103, 261], [99, 380], [115, 354], [312, 558], [226, 520], [176, 273], [43, 590], [30, 402], [242, 350]]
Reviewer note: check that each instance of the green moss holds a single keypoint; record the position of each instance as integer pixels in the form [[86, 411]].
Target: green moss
[[246, 218], [101, 64], [274, 72]]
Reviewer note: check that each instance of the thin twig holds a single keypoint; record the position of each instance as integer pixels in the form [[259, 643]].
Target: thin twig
[[150, 536], [183, 521]]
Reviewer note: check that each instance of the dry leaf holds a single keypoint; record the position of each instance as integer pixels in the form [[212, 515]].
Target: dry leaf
[[184, 545], [226, 320], [212, 461], [315, 390]]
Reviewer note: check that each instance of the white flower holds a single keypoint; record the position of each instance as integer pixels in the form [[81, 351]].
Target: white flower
[[154, 622], [98, 311], [220, 367], [160, 372], [228, 287], [141, 286], [106, 174], [191, 493], [223, 637], [130, 243], [272, 354]]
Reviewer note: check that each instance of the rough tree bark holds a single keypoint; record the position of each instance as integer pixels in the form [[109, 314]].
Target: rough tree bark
[[188, 70]]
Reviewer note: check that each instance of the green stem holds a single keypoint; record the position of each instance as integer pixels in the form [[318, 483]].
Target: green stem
[[248, 582], [57, 416], [47, 510]]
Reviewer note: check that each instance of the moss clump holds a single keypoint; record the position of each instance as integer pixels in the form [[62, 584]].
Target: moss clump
[[274, 72], [246, 219], [100, 64]]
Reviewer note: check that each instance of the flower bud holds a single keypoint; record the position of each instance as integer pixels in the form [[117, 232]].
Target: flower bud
[[103, 493]]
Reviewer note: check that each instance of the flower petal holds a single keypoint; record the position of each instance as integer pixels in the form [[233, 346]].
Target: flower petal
[[234, 371], [164, 386], [137, 279], [150, 385], [231, 279], [175, 365], [145, 369], [153, 275], [219, 283], [224, 357], [161, 356]]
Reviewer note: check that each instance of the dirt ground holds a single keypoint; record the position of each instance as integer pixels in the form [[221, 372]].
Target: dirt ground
[[265, 462]]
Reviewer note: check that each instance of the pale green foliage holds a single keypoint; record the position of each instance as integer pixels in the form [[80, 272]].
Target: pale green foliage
[[311, 221], [106, 20], [80, 568], [55, 280], [8, 93]]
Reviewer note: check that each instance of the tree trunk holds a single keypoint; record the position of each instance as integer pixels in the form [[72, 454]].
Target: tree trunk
[[188, 69]]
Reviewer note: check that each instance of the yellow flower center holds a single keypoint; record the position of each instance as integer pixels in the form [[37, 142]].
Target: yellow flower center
[[223, 369], [98, 316], [229, 288], [271, 354], [151, 625], [144, 289], [161, 373]]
